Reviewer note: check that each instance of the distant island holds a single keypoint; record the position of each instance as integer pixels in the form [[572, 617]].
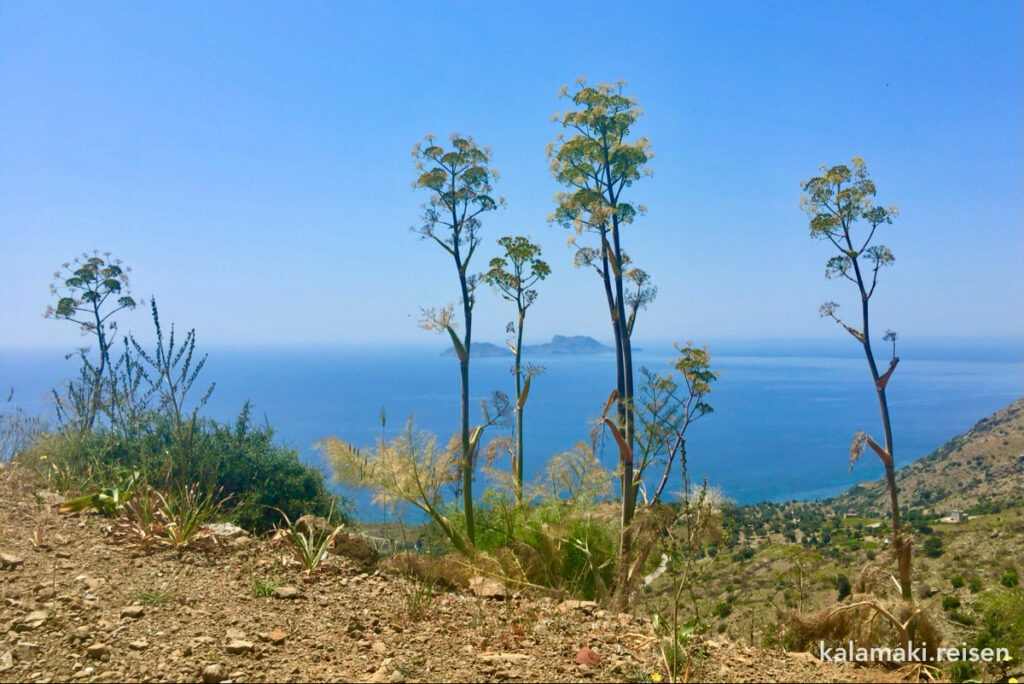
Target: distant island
[[560, 345]]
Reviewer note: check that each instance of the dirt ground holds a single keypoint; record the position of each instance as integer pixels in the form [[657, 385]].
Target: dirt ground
[[81, 603]]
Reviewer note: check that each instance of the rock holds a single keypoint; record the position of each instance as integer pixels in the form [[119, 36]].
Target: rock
[[139, 645], [46, 593], [379, 647], [235, 634], [587, 607], [504, 658], [225, 531], [586, 656], [133, 612], [212, 674], [9, 561], [6, 661], [33, 620], [98, 651], [396, 677], [485, 587], [80, 633], [26, 650], [313, 523], [357, 549], [287, 593], [277, 637], [239, 646]]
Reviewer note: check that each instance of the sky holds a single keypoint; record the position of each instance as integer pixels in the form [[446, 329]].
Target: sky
[[251, 161]]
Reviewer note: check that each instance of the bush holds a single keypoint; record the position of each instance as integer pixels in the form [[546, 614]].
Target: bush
[[843, 586], [957, 581], [236, 461], [950, 603], [933, 547], [1010, 578]]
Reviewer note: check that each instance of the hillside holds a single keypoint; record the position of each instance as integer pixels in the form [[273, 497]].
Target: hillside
[[981, 468], [83, 603]]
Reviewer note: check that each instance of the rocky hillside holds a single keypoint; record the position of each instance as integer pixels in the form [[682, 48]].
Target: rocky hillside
[[82, 602], [978, 469]]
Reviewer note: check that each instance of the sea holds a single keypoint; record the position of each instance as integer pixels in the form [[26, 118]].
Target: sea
[[784, 416]]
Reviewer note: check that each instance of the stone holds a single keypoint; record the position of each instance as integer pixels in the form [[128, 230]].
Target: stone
[[212, 674], [226, 531], [33, 620], [313, 523], [239, 646], [46, 593], [133, 612], [356, 548], [235, 634], [9, 561], [586, 656], [6, 661], [379, 647], [139, 645], [98, 651], [277, 637], [587, 607], [26, 650], [485, 587], [80, 633], [287, 593]]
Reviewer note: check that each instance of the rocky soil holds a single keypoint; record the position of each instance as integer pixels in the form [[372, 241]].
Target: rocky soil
[[80, 602]]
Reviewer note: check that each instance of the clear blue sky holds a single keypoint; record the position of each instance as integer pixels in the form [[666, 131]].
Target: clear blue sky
[[251, 160]]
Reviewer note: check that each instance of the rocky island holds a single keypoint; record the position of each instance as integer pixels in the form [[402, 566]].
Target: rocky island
[[560, 345]]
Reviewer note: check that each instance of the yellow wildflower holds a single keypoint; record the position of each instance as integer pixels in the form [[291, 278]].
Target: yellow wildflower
[[655, 676]]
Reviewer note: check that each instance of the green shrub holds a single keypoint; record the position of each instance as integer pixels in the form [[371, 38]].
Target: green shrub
[[950, 603], [957, 581], [1010, 578], [933, 547], [223, 461], [974, 584]]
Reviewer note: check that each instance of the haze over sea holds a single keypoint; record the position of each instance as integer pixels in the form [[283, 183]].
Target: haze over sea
[[784, 411]]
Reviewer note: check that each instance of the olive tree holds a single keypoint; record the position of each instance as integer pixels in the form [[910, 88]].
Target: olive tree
[[460, 182], [840, 204], [514, 274]]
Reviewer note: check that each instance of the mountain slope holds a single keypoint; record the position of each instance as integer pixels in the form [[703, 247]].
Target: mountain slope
[[978, 469]]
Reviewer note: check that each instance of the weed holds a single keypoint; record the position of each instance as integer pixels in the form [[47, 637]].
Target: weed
[[262, 588], [152, 596], [109, 501], [309, 543], [187, 512]]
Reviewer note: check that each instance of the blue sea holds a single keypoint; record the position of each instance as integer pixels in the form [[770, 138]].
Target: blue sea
[[784, 412]]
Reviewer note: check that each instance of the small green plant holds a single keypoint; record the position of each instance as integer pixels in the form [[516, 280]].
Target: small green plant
[[418, 598], [309, 543], [186, 512], [674, 646], [957, 581], [1010, 578], [152, 596], [109, 501], [263, 587]]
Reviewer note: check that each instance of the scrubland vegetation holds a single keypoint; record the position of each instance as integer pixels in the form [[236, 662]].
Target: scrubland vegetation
[[131, 441]]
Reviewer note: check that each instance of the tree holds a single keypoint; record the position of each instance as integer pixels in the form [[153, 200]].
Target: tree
[[90, 291], [514, 275], [841, 207], [460, 184], [597, 163]]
